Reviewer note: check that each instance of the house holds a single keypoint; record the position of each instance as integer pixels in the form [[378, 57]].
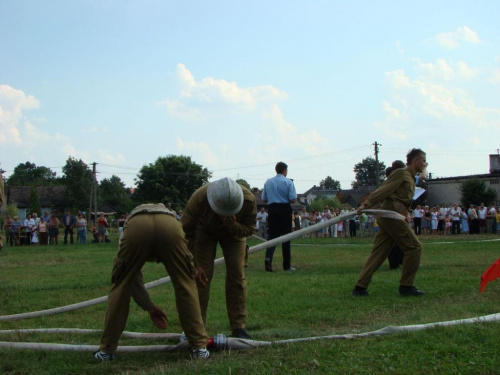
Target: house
[[314, 193], [52, 199]]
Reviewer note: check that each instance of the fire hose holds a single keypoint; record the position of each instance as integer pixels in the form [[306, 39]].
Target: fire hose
[[220, 341], [165, 280]]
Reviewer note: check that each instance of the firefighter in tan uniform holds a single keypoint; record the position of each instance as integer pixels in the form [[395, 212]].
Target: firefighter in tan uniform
[[152, 233], [396, 194], [221, 212]]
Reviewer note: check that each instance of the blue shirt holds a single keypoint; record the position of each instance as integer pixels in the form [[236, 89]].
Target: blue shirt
[[279, 189]]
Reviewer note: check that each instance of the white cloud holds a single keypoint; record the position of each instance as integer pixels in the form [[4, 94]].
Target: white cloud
[[210, 95], [199, 149], [435, 98], [441, 70], [13, 103], [452, 40]]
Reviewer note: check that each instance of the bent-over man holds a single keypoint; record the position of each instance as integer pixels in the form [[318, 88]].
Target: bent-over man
[[221, 212], [152, 233]]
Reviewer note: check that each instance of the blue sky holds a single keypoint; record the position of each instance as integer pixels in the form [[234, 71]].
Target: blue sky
[[240, 85]]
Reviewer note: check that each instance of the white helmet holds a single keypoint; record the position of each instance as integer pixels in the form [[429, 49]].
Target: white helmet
[[225, 196]]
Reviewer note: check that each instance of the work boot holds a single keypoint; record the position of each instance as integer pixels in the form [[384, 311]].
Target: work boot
[[410, 291], [360, 292], [268, 265], [240, 333]]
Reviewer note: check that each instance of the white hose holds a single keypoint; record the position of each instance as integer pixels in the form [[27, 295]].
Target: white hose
[[174, 336], [165, 280], [234, 343]]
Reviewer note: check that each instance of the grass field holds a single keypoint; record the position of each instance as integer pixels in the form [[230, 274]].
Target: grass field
[[313, 301]]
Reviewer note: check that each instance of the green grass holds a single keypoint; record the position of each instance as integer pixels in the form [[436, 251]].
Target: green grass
[[313, 301]]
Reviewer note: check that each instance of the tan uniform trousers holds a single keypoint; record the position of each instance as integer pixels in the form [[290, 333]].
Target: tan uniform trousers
[[147, 237], [234, 250], [393, 231]]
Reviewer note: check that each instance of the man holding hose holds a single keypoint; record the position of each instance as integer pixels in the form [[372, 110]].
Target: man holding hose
[[396, 194]]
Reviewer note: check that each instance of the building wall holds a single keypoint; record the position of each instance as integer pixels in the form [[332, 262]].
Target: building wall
[[448, 190]]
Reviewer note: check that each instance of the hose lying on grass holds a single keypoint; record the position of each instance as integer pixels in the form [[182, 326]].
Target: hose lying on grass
[[220, 341], [165, 280]]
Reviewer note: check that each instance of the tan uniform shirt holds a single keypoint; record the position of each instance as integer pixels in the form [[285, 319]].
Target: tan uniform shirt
[[396, 193], [198, 212]]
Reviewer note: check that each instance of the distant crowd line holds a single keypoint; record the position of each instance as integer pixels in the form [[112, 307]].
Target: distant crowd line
[[47, 230], [442, 219]]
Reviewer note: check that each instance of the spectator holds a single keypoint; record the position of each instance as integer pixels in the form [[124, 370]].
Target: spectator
[[69, 223], [16, 227], [81, 229], [464, 221], [304, 219], [333, 227], [352, 224], [490, 219], [455, 213], [121, 222], [54, 224], [43, 232], [262, 220], [426, 220], [296, 220], [29, 224], [481, 213], [46, 217], [418, 213], [434, 220], [102, 224], [9, 234], [279, 193]]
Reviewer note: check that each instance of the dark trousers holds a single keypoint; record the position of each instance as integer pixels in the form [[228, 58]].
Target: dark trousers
[[279, 224], [417, 225], [352, 228], [455, 227], [66, 232]]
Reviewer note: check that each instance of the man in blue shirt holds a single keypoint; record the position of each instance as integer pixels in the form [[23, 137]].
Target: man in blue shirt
[[279, 193]]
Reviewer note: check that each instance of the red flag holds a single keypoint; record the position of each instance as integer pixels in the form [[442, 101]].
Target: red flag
[[491, 274]]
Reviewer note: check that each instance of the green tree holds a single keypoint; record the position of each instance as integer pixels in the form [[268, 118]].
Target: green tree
[[10, 209], [366, 173], [244, 183], [330, 184], [320, 203], [170, 179], [113, 192], [475, 191], [28, 174], [34, 205], [77, 179]]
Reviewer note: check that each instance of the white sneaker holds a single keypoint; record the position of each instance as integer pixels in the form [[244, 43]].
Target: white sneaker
[[200, 354], [290, 269]]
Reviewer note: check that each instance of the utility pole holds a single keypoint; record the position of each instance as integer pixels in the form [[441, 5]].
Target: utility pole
[[377, 172], [93, 198]]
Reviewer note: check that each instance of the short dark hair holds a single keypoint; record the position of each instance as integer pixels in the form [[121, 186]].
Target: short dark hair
[[388, 171], [280, 167], [412, 154], [396, 164]]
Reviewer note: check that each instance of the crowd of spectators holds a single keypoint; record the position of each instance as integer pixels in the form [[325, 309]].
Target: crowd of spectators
[[442, 219], [46, 230]]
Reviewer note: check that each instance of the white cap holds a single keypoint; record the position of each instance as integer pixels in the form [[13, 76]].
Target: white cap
[[225, 196]]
